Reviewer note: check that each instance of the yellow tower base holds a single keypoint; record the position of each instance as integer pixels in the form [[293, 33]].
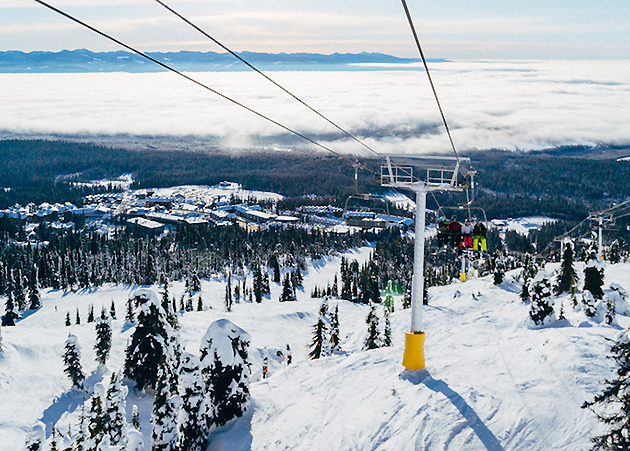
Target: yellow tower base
[[413, 359]]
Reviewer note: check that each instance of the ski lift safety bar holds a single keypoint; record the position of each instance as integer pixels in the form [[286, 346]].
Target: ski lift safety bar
[[435, 176]]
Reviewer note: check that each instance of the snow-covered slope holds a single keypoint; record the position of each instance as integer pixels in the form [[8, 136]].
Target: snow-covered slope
[[492, 381]]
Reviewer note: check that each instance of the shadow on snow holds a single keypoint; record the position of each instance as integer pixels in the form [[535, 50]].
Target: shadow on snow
[[476, 424]]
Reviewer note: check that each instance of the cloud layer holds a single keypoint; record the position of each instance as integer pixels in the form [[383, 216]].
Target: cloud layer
[[489, 104]]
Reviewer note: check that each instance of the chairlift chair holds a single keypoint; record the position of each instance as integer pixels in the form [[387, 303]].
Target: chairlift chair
[[364, 210]]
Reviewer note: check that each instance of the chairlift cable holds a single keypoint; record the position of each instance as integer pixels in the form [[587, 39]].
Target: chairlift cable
[[252, 67], [255, 69], [426, 68], [181, 74]]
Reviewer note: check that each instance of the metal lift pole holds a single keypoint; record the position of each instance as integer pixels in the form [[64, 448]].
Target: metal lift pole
[[413, 358], [417, 296]]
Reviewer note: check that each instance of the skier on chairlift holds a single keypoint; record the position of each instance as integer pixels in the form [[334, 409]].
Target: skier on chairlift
[[479, 235], [455, 231], [442, 231], [467, 231]]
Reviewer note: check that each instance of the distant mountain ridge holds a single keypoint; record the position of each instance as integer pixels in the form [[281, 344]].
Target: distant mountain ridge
[[120, 61]]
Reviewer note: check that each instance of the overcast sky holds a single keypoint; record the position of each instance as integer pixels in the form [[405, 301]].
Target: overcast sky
[[488, 29]]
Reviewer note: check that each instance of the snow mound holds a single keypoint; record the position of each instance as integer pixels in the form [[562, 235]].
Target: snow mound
[[219, 339]]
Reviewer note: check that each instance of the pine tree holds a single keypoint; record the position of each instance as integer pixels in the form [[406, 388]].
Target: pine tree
[[320, 331], [275, 267], [373, 338], [192, 423], [112, 310], [130, 317], [566, 277], [406, 303], [589, 304], [97, 419], [499, 269], [18, 291], [334, 330], [103, 340], [115, 410], [199, 303], [68, 322], [335, 288], [258, 284], [387, 333], [542, 303], [525, 291], [228, 299], [81, 437], [613, 401], [594, 278], [34, 298], [72, 361], [288, 291], [225, 371], [135, 417], [10, 312], [77, 318], [166, 304], [164, 415], [90, 318], [149, 341], [614, 252]]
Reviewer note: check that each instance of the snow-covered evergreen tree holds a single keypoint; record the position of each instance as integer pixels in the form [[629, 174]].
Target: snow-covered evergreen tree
[[103, 343], [135, 441], [165, 412], [541, 307], [112, 310], [192, 423], [594, 278], [72, 361], [149, 341], [589, 304], [34, 298], [613, 401], [288, 290], [387, 332], [228, 298], [258, 284], [97, 419], [566, 278], [499, 268], [115, 410], [334, 330], [130, 317], [320, 333], [373, 339], [614, 252], [10, 311], [90, 318], [225, 371]]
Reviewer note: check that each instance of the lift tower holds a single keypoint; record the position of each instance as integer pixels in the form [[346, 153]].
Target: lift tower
[[432, 174]]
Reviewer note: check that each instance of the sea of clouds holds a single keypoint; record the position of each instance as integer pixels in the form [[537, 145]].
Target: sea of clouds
[[516, 105]]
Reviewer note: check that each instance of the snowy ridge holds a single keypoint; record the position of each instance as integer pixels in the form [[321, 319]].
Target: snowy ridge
[[491, 382]]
